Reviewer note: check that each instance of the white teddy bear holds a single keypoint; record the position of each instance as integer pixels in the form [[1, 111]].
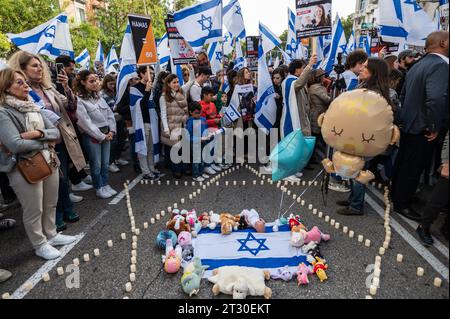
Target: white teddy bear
[[241, 282]]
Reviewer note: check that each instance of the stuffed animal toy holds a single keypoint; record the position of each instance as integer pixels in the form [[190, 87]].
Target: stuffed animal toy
[[315, 235], [191, 217], [297, 237], [172, 259], [283, 274], [214, 220], [357, 124], [319, 269], [184, 239], [240, 282], [242, 224], [190, 282], [295, 221], [162, 237], [187, 254], [302, 274], [178, 225], [228, 223], [309, 247], [204, 219]]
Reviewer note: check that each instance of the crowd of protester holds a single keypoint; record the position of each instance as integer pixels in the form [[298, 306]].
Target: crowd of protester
[[75, 121]]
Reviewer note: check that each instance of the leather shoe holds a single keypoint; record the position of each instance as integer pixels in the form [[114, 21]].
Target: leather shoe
[[343, 203], [425, 235], [347, 211], [409, 213]]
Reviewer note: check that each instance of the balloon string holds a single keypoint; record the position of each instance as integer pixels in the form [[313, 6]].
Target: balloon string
[[281, 204], [301, 195]]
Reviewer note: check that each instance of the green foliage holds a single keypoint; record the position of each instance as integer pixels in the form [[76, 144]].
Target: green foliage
[[348, 26], [85, 35]]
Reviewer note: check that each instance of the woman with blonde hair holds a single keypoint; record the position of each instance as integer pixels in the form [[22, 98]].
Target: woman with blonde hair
[[24, 132], [68, 148]]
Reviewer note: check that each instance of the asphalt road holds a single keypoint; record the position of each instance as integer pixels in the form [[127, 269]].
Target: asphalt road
[[105, 276]]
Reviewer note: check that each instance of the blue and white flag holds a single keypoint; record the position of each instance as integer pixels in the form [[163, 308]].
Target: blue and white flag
[[338, 45], [319, 50], [215, 56], [233, 19], [286, 57], [231, 114], [228, 43], [291, 42], [127, 64], [84, 60], [200, 24], [266, 107], [139, 128], [241, 61], [351, 80], [351, 45], [364, 43], [51, 38], [247, 248], [163, 52], [290, 117], [112, 60], [99, 55], [404, 21]]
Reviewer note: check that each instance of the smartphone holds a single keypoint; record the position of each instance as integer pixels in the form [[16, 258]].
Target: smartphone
[[59, 68]]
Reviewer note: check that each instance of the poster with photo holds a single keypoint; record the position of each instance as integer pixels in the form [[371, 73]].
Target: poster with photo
[[313, 18], [180, 49], [252, 45]]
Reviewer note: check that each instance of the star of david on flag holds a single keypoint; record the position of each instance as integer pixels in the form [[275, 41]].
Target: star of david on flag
[[206, 23], [246, 247]]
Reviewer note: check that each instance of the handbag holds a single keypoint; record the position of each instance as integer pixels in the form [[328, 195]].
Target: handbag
[[34, 169]]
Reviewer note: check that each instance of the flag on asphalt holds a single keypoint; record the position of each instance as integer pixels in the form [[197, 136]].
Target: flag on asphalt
[[51, 38]]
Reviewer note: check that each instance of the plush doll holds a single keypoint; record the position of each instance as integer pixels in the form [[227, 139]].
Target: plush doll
[[297, 237], [178, 225], [187, 254], [204, 219], [252, 218], [214, 220], [302, 274], [309, 247], [357, 124], [240, 282], [191, 217], [319, 269], [190, 282], [283, 274], [295, 221], [242, 224], [315, 235], [228, 223], [184, 239], [172, 260]]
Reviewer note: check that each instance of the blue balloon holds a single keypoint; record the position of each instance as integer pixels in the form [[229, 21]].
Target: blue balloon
[[291, 155]]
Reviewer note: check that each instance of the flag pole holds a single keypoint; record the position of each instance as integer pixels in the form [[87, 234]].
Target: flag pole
[[313, 45]]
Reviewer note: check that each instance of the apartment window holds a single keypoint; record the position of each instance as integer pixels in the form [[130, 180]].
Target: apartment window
[[80, 12], [362, 5]]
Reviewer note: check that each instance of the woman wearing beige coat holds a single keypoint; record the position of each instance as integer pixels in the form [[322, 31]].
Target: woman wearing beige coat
[[68, 147]]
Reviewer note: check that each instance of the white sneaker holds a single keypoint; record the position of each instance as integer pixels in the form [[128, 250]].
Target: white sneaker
[[122, 162], [75, 199], [210, 171], [88, 179], [82, 187], [216, 168], [337, 187], [61, 240], [292, 178], [48, 252], [110, 190], [103, 193], [199, 179], [113, 168], [205, 176]]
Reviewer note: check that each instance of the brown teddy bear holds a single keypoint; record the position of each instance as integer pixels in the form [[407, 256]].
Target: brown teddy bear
[[178, 224], [228, 223]]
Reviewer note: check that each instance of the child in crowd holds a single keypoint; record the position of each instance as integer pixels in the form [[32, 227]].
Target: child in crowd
[[252, 218], [197, 127]]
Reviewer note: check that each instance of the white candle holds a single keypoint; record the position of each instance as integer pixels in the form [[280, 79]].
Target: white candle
[[132, 277], [128, 287], [152, 220], [367, 243], [360, 238], [134, 253], [345, 229], [377, 272], [60, 271], [133, 260], [315, 211], [134, 245], [320, 214], [337, 225], [133, 268], [376, 282], [6, 295], [382, 251], [327, 219], [76, 262], [420, 272], [134, 239], [351, 234], [46, 277], [137, 231], [373, 290], [123, 236], [437, 282], [332, 222], [400, 258], [310, 207], [182, 201], [86, 257], [303, 203], [96, 252]]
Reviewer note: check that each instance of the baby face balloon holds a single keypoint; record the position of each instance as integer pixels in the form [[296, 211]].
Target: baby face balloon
[[359, 123]]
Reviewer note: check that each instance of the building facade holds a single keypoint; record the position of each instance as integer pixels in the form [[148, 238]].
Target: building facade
[[80, 11]]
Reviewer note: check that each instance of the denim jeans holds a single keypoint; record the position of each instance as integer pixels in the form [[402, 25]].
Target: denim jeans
[[118, 143], [175, 168], [197, 170], [98, 160], [64, 205], [357, 195]]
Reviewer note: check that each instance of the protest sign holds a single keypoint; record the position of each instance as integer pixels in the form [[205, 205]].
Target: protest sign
[[313, 18], [143, 39], [180, 50]]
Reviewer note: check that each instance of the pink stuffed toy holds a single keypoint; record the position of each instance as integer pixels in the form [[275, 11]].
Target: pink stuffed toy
[[302, 274], [191, 217], [184, 239], [315, 235]]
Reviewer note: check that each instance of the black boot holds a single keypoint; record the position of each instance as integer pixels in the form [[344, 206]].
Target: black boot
[[425, 235]]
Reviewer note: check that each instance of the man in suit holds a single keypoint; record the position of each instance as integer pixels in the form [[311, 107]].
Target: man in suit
[[424, 113]]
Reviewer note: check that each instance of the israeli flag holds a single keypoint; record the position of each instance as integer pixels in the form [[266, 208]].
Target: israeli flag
[[404, 21], [266, 107], [351, 45], [319, 50], [200, 24], [215, 56], [99, 55], [112, 60], [277, 62], [286, 57], [84, 59], [51, 38], [228, 43], [240, 61], [291, 43], [338, 45], [164, 52], [364, 43], [246, 248], [233, 19], [127, 64], [231, 114]]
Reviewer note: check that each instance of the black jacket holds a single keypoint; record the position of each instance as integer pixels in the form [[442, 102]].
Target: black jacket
[[424, 97]]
